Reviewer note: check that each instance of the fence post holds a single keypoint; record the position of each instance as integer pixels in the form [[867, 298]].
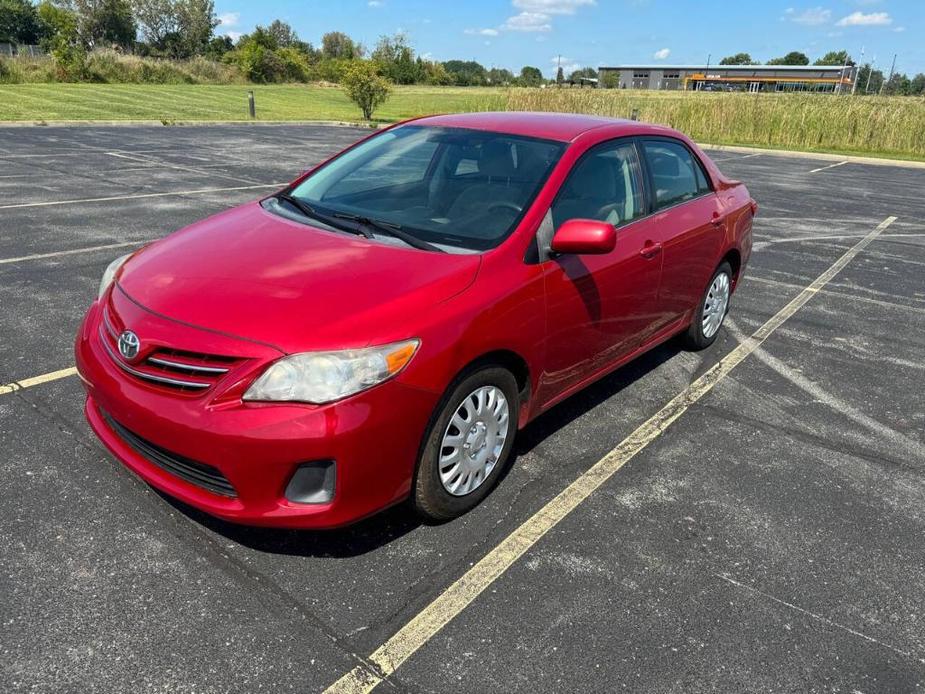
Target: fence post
[[251, 108]]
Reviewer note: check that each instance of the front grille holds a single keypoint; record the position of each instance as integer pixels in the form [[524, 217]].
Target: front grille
[[200, 474], [190, 372]]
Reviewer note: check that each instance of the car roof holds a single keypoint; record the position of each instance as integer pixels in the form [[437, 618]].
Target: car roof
[[564, 127]]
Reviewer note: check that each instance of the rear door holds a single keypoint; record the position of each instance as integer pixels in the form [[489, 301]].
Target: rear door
[[690, 223], [599, 307]]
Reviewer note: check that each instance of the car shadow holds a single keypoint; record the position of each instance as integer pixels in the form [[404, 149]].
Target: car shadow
[[393, 523]]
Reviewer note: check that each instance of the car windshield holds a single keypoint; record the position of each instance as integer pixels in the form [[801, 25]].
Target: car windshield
[[453, 187]]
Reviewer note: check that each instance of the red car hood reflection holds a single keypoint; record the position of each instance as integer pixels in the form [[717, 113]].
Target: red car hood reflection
[[252, 274]]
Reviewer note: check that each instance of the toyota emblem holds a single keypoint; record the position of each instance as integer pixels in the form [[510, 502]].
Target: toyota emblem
[[129, 344]]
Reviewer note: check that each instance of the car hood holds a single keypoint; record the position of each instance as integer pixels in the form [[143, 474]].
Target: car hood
[[252, 274]]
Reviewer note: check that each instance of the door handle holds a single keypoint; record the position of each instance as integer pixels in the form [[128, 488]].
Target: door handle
[[717, 220], [650, 250]]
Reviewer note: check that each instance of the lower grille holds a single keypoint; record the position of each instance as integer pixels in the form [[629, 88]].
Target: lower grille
[[200, 474]]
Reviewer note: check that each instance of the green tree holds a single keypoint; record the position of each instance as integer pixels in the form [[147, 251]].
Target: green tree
[[869, 80], [531, 76], [62, 40], [19, 22], [435, 73], [395, 59], [835, 58], [792, 58], [560, 75], [917, 84], [466, 73], [365, 87], [105, 22], [585, 72], [219, 46], [178, 28], [336, 44], [737, 59], [610, 79], [284, 34], [499, 76]]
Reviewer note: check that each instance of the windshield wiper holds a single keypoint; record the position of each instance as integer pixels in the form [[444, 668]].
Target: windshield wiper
[[310, 212], [391, 229]]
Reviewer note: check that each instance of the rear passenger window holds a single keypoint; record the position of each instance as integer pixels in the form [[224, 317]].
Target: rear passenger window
[[676, 177], [606, 185]]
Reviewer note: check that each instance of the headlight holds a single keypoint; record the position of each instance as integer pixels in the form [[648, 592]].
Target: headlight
[[110, 273], [320, 377]]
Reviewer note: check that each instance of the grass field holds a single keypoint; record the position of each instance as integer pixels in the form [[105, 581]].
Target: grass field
[[184, 102], [889, 126]]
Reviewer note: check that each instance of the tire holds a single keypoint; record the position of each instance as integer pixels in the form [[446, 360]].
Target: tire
[[474, 445], [702, 333]]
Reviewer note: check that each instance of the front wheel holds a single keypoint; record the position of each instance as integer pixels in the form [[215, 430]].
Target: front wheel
[[467, 445], [713, 307]]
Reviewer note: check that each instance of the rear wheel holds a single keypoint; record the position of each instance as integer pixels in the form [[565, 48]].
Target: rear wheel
[[713, 307], [467, 445]]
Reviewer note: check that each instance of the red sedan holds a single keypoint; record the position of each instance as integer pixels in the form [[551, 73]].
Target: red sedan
[[381, 328]]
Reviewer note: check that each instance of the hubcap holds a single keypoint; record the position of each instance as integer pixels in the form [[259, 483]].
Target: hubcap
[[473, 440], [714, 308]]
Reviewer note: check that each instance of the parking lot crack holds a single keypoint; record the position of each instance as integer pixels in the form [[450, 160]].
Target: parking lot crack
[[818, 617]]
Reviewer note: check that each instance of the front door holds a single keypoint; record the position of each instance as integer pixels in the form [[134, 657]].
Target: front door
[[600, 307]]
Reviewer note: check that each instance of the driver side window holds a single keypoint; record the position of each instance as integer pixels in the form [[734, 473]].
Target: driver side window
[[605, 185]]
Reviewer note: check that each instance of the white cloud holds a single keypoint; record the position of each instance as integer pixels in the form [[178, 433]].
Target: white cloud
[[859, 19], [481, 32], [899, 29], [375, 3], [814, 16], [528, 21], [229, 19], [536, 15], [548, 7], [662, 53], [233, 35]]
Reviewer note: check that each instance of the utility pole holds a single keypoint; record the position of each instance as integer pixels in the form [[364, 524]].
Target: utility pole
[[892, 68], [870, 72], [857, 73]]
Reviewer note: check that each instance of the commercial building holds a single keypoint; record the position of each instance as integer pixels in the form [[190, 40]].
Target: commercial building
[[746, 78]]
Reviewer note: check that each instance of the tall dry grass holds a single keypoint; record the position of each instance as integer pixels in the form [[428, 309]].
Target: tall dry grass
[[876, 125], [111, 67]]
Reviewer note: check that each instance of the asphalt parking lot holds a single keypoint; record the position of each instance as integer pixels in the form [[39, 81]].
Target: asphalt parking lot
[[769, 539]]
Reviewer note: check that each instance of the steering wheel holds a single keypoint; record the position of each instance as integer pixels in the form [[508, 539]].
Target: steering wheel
[[506, 204]]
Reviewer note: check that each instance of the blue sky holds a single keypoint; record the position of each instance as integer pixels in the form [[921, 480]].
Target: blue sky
[[513, 33]]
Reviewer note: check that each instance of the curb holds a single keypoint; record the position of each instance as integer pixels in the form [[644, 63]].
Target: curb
[[184, 123], [822, 156]]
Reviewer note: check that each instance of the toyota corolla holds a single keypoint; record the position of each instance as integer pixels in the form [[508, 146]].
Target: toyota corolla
[[380, 329]]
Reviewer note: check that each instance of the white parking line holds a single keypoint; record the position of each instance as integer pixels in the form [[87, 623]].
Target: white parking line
[[199, 191], [830, 166], [177, 167], [427, 623], [74, 251]]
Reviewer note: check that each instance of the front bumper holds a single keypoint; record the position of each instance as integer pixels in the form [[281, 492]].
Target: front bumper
[[373, 437]]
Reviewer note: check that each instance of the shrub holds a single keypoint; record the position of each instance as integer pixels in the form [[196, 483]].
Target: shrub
[[365, 87], [294, 65], [258, 63]]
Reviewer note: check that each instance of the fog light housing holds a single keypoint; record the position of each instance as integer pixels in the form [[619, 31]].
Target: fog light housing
[[312, 483]]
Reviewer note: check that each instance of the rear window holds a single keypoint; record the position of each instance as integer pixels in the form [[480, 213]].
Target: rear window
[[676, 176]]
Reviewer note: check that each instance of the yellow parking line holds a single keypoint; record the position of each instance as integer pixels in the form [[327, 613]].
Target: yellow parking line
[[37, 380], [417, 632]]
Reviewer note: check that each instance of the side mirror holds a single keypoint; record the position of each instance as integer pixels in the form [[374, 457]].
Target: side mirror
[[584, 237]]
